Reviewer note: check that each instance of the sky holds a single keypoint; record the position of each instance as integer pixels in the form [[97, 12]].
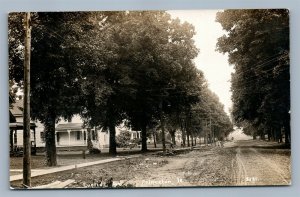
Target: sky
[[215, 65]]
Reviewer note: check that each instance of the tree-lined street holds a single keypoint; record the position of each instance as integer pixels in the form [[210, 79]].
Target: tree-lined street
[[138, 70], [258, 46], [239, 163]]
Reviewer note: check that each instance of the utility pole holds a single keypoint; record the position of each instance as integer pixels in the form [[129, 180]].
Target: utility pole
[[26, 117]]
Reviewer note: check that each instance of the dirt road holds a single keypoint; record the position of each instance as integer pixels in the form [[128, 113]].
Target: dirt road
[[262, 167], [239, 163]]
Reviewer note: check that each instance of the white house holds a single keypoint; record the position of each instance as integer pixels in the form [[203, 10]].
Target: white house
[[68, 133], [71, 133], [16, 126]]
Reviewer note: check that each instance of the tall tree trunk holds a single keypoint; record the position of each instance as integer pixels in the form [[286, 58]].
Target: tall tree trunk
[[163, 137], [205, 138], [112, 139], [280, 135], [144, 137], [254, 136], [287, 133], [192, 139], [172, 133], [275, 132], [112, 130], [89, 141], [272, 134], [262, 136], [154, 138], [188, 139], [269, 135], [182, 134], [183, 138], [50, 141]]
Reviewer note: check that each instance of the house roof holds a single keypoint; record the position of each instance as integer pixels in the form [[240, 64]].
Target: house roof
[[69, 126], [20, 126], [17, 108], [12, 118]]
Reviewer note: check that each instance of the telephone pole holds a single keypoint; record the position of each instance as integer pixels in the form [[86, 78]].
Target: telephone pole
[[26, 116]]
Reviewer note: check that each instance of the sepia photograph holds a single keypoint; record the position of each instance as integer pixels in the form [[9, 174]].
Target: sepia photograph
[[149, 99]]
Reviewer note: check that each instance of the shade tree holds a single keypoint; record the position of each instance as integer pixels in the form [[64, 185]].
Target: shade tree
[[257, 42]]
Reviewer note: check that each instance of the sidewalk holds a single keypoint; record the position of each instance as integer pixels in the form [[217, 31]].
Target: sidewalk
[[40, 172], [36, 173]]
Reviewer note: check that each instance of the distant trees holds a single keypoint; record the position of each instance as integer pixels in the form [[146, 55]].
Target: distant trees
[[110, 67], [208, 118], [258, 46]]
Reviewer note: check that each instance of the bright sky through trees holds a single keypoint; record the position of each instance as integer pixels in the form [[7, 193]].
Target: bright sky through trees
[[214, 64]]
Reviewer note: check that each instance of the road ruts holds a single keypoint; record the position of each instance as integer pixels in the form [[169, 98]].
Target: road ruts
[[254, 168]]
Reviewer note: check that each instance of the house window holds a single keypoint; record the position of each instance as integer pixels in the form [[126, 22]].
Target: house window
[[78, 135], [84, 135], [42, 136], [15, 137], [57, 137], [93, 135]]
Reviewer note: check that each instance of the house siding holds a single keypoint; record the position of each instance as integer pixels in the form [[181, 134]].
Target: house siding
[[100, 139]]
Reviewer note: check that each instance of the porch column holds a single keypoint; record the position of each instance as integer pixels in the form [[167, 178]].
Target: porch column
[[82, 132], [16, 138], [86, 137], [69, 131], [34, 139]]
